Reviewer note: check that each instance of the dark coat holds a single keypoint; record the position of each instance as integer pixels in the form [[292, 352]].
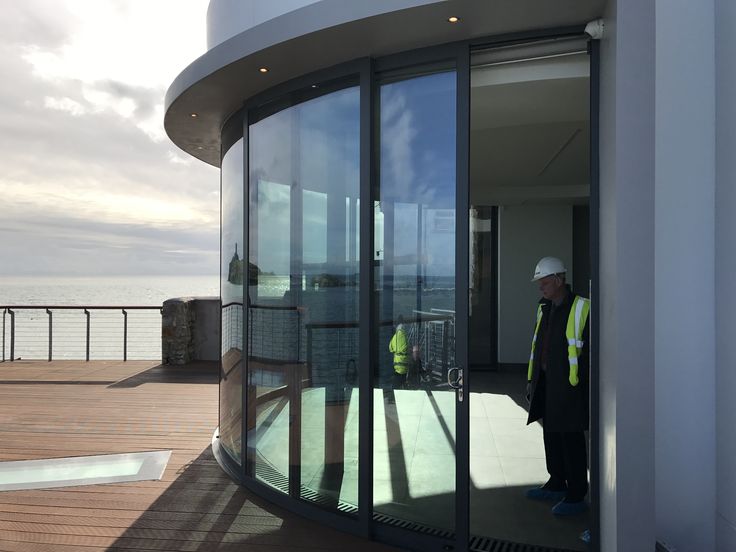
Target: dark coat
[[563, 407]]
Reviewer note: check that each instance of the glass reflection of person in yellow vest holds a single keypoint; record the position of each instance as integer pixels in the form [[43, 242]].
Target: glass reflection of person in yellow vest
[[399, 346]]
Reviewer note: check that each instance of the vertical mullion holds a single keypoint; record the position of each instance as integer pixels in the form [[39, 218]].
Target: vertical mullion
[[366, 310], [247, 453], [462, 229], [594, 264], [293, 379]]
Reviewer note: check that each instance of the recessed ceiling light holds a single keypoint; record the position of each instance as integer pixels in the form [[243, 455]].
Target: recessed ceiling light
[[193, 115], [199, 147], [453, 19], [263, 69]]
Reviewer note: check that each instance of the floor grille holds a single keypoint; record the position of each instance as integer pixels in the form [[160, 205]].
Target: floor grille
[[270, 475]]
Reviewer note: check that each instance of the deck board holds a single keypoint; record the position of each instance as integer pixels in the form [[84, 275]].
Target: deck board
[[72, 408]]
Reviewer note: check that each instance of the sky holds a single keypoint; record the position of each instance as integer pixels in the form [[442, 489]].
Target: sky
[[90, 185]]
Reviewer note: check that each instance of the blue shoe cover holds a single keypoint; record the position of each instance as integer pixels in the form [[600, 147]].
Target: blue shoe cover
[[540, 493], [569, 508], [585, 536]]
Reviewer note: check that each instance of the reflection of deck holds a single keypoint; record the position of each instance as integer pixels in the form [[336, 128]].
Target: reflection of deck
[[75, 408]]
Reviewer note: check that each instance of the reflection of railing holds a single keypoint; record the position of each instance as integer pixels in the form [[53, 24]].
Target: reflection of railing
[[275, 333], [332, 347], [279, 335], [231, 333], [434, 332], [39, 331]]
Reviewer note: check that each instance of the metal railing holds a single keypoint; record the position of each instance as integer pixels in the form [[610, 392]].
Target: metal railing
[[32, 328]]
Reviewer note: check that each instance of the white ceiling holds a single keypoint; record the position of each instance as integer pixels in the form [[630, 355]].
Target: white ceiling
[[530, 132]]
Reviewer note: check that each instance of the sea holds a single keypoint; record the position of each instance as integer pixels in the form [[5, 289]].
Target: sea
[[103, 290], [28, 334]]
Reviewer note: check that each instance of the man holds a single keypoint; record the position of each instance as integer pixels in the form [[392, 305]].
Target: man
[[399, 346], [557, 387]]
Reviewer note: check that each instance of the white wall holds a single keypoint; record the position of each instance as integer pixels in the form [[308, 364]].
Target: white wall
[[526, 233], [685, 465], [626, 283], [725, 272]]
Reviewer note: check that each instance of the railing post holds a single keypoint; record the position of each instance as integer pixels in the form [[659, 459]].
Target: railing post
[[51, 332], [5, 311], [86, 312], [12, 334], [445, 348], [125, 335]]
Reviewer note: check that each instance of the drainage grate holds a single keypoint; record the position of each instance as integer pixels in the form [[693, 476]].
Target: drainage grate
[[413, 526], [485, 544], [268, 474]]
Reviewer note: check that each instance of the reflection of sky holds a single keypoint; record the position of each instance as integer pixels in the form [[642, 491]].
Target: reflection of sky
[[316, 145], [418, 167], [232, 217], [314, 229]]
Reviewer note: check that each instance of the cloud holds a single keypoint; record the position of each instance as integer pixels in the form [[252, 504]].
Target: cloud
[[90, 184]]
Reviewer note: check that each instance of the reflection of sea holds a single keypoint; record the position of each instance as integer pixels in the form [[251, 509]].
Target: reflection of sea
[[435, 293]]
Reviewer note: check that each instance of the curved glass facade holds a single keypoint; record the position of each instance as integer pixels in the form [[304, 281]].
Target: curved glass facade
[[346, 384], [231, 290], [414, 222], [303, 301]]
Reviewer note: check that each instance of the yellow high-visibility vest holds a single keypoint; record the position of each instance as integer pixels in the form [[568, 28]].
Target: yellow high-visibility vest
[[573, 332], [399, 346]]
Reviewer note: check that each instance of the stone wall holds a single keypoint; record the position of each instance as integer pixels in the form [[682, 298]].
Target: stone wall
[[190, 330]]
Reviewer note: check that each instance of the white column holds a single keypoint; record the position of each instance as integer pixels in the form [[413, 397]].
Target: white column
[[684, 274], [626, 306], [725, 274]]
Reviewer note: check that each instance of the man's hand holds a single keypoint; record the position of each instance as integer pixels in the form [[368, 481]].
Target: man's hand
[[528, 392]]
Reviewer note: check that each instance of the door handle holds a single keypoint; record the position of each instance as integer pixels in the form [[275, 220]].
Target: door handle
[[455, 380], [455, 377]]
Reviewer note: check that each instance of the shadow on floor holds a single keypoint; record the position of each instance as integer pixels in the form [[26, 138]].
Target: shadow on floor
[[203, 511], [195, 372]]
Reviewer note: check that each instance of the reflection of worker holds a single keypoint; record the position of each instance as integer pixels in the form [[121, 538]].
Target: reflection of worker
[[399, 346], [557, 388]]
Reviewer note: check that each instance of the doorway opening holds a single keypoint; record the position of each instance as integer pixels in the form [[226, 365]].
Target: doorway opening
[[529, 196]]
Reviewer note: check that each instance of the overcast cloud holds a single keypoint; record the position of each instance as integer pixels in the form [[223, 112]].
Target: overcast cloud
[[89, 183]]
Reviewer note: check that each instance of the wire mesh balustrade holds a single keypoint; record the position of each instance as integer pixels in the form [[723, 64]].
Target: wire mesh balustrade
[[74, 333]]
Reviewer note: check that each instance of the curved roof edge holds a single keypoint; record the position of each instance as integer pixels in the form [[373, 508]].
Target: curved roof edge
[[227, 18], [325, 34]]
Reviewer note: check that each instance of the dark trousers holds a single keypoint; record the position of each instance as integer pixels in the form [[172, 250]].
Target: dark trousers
[[567, 463], [398, 381]]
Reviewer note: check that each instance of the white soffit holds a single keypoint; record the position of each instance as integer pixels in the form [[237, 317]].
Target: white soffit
[[321, 35]]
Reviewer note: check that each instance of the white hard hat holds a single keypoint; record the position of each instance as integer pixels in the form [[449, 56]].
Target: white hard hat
[[548, 266]]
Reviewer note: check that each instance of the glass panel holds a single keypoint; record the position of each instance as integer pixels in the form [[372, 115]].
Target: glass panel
[[529, 172], [303, 299], [231, 290], [82, 470], [414, 229]]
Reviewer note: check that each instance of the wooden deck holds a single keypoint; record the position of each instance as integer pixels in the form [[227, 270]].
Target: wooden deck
[[76, 408]]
